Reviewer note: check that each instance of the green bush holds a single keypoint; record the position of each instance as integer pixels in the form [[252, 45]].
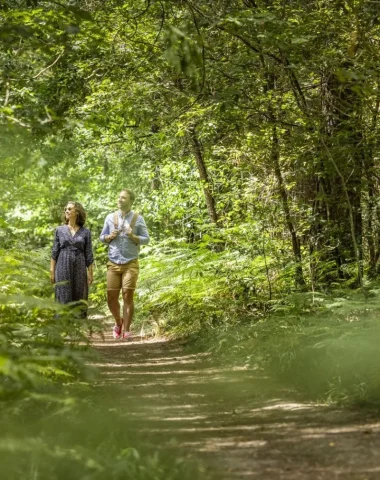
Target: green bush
[[185, 289], [42, 342], [326, 350], [83, 440]]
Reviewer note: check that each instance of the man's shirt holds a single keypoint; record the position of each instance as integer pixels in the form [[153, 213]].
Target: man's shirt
[[122, 249]]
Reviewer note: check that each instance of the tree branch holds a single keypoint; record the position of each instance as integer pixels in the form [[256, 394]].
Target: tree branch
[[47, 68]]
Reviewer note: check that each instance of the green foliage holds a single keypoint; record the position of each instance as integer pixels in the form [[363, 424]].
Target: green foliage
[[99, 97], [188, 288], [82, 440], [325, 347], [42, 343], [267, 111]]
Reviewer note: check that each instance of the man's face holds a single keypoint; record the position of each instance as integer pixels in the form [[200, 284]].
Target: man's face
[[124, 202]]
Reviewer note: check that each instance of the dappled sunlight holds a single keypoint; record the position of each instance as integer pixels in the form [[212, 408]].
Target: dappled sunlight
[[230, 417], [145, 363], [187, 418], [363, 428], [175, 397], [211, 429], [108, 341], [289, 406], [216, 444], [125, 380]]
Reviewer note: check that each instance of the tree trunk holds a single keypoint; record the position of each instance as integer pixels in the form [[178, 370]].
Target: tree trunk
[[197, 149], [275, 160], [371, 234], [156, 187], [339, 215]]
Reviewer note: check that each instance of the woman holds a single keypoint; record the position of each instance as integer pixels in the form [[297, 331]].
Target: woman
[[72, 258]]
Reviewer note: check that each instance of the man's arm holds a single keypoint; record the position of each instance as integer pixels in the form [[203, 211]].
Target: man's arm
[[105, 232], [142, 237]]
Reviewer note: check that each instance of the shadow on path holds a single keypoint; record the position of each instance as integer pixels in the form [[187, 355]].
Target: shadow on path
[[233, 420]]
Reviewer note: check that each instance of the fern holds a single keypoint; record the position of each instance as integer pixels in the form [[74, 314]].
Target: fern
[[34, 330]]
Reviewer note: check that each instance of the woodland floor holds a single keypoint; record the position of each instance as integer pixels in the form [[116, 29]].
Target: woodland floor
[[233, 421]]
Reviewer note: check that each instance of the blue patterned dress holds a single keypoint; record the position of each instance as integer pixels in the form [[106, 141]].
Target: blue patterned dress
[[73, 254]]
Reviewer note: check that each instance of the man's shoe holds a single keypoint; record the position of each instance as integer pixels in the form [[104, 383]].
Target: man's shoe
[[127, 336], [116, 332]]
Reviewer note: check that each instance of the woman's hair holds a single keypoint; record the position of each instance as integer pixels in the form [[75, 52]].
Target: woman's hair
[[81, 214]]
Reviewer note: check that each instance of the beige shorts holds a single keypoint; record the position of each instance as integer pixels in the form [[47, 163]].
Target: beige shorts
[[122, 276]]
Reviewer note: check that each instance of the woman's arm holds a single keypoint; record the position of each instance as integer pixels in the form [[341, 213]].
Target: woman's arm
[[89, 256], [90, 274], [54, 255], [52, 270]]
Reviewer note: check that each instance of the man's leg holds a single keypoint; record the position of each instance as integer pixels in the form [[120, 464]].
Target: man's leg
[[114, 305], [129, 281], [114, 279], [128, 308]]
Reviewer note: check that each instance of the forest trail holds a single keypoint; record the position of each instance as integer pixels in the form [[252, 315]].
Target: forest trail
[[233, 421]]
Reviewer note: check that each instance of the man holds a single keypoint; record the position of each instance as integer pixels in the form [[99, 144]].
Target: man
[[124, 231]]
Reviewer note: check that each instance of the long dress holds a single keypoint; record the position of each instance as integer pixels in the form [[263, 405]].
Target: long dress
[[73, 254]]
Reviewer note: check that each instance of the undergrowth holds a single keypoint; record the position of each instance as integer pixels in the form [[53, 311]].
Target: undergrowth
[[321, 343], [43, 344], [327, 352], [52, 426], [82, 440], [185, 289]]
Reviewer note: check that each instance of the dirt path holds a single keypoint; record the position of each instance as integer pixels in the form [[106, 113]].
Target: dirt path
[[233, 421]]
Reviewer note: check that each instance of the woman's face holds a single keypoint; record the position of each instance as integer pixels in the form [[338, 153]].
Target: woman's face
[[70, 212]]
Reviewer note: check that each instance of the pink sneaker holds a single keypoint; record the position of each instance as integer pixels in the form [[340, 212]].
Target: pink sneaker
[[116, 332], [127, 336]]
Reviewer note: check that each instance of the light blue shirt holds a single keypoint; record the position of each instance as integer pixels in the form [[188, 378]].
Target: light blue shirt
[[122, 249]]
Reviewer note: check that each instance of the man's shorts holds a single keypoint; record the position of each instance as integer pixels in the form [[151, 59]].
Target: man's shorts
[[122, 275]]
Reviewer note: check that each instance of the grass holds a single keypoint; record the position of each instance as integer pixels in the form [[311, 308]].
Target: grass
[[327, 351], [82, 438]]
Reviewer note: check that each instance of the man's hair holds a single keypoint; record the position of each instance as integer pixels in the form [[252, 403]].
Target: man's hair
[[81, 213], [132, 196]]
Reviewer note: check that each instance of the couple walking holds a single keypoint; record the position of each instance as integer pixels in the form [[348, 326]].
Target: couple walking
[[72, 259]]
